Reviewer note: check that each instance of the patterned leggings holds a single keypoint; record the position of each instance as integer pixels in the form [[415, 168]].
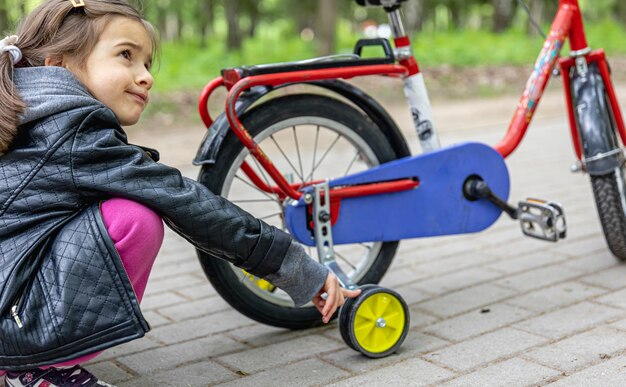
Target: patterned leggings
[[137, 233]]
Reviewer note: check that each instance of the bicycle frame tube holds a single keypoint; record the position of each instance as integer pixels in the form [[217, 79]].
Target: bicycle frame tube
[[204, 100], [567, 24]]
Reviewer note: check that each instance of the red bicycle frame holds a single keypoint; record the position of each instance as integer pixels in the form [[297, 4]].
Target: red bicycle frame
[[567, 24]]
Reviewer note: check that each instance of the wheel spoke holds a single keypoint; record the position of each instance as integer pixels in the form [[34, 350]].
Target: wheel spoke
[[286, 158], [323, 156], [367, 246], [317, 136], [345, 260], [261, 171], [295, 139], [242, 276], [252, 200], [271, 215], [354, 159], [256, 188]]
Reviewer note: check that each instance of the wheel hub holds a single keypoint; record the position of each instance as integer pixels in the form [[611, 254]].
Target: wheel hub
[[381, 323]]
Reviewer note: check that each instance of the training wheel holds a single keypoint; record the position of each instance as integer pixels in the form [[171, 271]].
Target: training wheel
[[375, 323]]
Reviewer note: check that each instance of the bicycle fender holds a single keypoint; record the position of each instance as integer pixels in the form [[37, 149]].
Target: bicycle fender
[[212, 141], [437, 206], [594, 122], [211, 144]]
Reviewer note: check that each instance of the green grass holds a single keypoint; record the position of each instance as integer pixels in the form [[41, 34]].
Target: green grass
[[476, 48], [185, 66]]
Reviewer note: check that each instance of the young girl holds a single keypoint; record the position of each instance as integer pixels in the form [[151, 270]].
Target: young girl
[[81, 209]]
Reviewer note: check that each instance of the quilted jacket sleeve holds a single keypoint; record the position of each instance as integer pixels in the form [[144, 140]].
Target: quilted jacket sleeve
[[104, 165]]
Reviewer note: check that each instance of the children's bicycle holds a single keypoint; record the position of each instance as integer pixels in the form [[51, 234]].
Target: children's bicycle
[[336, 173]]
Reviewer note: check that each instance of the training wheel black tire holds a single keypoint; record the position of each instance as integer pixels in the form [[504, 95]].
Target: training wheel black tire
[[343, 317], [376, 322]]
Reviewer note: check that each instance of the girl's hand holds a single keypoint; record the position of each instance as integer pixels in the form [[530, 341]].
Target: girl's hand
[[335, 297]]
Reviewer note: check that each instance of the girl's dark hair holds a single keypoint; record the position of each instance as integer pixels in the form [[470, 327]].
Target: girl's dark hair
[[53, 30]]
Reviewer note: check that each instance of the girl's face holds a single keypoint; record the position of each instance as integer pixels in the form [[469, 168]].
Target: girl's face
[[117, 71]]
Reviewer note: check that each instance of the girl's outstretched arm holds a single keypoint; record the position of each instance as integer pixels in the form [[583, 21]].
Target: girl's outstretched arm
[[104, 165]]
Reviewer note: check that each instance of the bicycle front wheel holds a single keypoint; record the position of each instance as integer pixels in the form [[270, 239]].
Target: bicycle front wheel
[[609, 189], [308, 137]]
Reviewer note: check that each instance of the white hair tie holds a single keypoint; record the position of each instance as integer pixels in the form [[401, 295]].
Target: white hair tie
[[8, 45]]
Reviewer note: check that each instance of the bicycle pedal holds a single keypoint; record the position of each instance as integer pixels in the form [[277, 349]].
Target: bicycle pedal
[[542, 219]]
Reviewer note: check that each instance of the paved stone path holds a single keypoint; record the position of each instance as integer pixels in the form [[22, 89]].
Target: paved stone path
[[493, 308]]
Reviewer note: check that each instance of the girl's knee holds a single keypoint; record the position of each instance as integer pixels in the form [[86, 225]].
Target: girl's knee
[[131, 222]]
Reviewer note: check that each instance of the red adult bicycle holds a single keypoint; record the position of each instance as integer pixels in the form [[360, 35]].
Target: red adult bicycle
[[307, 152]]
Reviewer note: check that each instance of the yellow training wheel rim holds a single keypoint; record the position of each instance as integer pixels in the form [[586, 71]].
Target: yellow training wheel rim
[[379, 322], [259, 282]]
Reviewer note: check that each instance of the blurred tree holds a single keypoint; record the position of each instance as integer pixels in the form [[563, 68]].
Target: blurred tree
[[4, 16], [536, 8], [234, 35], [301, 12], [549, 10], [21, 9], [457, 10], [251, 14], [429, 12], [160, 18], [503, 14], [326, 26], [205, 19], [414, 16], [619, 11], [179, 21]]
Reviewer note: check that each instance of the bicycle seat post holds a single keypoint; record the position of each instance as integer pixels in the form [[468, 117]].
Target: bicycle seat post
[[414, 87], [397, 28], [395, 21]]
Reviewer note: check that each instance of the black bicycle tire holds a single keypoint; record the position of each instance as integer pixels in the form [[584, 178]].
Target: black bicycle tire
[[607, 196], [219, 272], [611, 212]]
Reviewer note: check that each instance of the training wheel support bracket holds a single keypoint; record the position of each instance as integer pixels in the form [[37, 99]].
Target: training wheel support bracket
[[376, 322], [324, 235]]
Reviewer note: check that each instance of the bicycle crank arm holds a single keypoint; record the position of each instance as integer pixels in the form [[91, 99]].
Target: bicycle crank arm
[[539, 218], [475, 188]]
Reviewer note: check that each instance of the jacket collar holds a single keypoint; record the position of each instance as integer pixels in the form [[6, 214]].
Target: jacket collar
[[48, 90]]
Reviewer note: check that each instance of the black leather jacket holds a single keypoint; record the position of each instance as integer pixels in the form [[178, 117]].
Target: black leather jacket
[[58, 267]]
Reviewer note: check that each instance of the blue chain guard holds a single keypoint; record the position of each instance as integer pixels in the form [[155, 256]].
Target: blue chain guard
[[436, 207]]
